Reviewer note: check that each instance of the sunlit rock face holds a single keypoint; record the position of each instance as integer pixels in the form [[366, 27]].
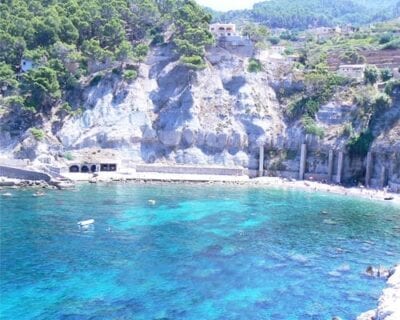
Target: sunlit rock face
[[219, 115]]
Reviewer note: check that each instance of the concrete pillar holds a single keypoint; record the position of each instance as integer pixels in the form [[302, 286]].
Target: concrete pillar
[[330, 166], [303, 161], [340, 167], [261, 162], [368, 171], [383, 178]]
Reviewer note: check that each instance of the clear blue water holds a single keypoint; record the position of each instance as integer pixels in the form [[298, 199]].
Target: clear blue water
[[201, 252]]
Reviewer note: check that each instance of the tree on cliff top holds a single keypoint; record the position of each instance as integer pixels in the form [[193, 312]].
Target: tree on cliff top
[[192, 34]]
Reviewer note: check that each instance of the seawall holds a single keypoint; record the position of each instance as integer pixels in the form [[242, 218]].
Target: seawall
[[23, 174]]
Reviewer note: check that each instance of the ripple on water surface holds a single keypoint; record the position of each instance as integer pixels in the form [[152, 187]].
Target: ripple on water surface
[[195, 252]]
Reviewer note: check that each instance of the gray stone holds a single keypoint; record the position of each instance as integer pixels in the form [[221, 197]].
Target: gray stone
[[211, 140], [222, 140], [170, 138], [149, 134], [188, 137]]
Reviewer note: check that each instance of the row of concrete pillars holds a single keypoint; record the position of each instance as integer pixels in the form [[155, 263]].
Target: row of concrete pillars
[[340, 163]]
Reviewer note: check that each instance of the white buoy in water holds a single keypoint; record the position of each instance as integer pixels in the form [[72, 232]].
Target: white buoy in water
[[86, 223], [152, 202]]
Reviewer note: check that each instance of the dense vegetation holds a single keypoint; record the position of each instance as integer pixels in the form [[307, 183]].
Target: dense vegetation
[[301, 14], [70, 41]]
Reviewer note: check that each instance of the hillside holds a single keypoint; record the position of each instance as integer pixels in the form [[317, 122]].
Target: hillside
[[301, 14], [179, 96]]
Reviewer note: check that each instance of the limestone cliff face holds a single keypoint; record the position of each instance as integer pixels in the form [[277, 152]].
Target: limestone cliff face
[[219, 115]]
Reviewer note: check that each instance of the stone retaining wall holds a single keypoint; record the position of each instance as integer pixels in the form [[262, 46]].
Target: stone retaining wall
[[23, 174], [190, 170]]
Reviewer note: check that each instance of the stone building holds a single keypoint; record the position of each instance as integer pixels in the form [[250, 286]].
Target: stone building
[[353, 71]]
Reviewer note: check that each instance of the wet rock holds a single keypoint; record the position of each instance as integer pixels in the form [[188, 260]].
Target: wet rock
[[379, 272]]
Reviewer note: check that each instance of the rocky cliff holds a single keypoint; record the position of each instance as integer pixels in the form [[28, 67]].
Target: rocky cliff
[[219, 115]]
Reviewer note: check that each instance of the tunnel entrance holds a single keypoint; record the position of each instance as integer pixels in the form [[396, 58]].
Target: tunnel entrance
[[74, 169]]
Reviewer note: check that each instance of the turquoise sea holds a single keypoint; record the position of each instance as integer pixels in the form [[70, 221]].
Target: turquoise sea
[[200, 252]]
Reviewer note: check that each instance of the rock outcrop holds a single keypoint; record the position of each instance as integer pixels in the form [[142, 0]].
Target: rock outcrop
[[389, 302], [219, 115]]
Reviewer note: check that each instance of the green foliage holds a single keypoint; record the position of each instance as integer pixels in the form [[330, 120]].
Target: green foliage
[[289, 35], [352, 56], [254, 66], [381, 103], [311, 127], [385, 38], [130, 75], [7, 76], [141, 50], [386, 74], [193, 62], [392, 86], [256, 32], [38, 134], [300, 14], [371, 74], [65, 37], [307, 106], [192, 33], [157, 40], [394, 44], [68, 156], [274, 40], [41, 86], [359, 145]]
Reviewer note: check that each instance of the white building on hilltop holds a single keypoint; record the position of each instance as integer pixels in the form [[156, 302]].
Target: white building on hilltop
[[223, 29]]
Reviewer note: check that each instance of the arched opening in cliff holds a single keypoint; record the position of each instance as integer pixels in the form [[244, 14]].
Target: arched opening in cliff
[[85, 169], [93, 168], [74, 169]]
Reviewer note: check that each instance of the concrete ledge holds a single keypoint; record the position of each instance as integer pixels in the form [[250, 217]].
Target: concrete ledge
[[23, 174], [220, 171]]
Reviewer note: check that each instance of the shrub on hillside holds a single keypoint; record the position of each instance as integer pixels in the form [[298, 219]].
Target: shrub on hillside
[[394, 44], [193, 62], [386, 74], [311, 127], [359, 145], [130, 75], [371, 74], [38, 134], [254, 66]]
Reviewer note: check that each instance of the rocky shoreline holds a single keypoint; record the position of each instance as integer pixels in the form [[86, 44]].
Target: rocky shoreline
[[389, 302], [264, 182]]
